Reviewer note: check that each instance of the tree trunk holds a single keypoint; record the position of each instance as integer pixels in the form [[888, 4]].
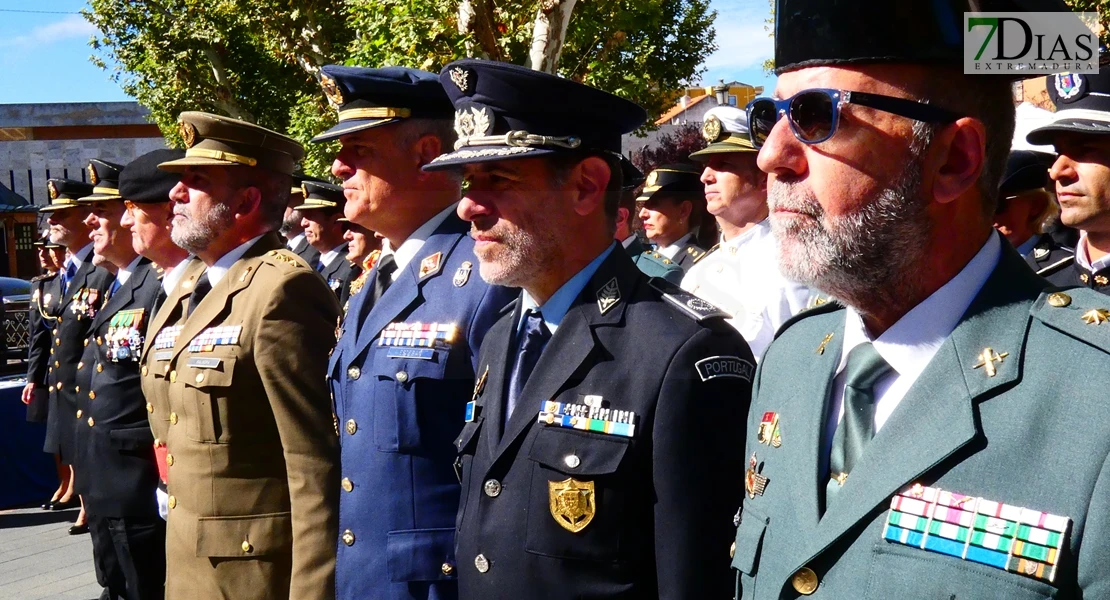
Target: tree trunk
[[549, 33], [476, 18], [225, 99]]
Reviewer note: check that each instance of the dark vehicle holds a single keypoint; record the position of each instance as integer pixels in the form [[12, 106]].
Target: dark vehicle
[[17, 335]]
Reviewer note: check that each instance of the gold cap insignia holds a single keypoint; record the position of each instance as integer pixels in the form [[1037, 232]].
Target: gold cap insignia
[[652, 178], [304, 191], [572, 503], [711, 129], [331, 90], [188, 133], [461, 78], [93, 179], [608, 296], [53, 191]]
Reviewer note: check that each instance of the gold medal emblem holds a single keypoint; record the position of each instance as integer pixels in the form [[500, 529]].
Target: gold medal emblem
[[52, 190], [652, 179], [188, 133], [331, 90], [572, 503], [711, 129], [93, 179]]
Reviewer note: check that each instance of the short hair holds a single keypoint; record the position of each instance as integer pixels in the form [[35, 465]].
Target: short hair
[[274, 188], [410, 130], [563, 163], [984, 98]]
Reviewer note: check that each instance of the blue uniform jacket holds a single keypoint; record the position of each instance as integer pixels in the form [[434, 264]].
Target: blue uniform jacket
[[399, 409]]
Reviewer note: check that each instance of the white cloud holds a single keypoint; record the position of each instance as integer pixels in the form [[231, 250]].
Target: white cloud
[[73, 26], [742, 37]]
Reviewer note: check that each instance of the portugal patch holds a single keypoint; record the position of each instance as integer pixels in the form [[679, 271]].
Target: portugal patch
[[724, 366]]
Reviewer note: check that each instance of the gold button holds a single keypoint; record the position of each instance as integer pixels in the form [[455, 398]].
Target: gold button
[[481, 563], [173, 376], [352, 427], [172, 502], [57, 364], [1059, 299], [173, 418], [447, 568], [58, 342], [99, 368], [55, 331], [86, 342], [169, 460], [732, 551], [354, 372], [99, 340], [149, 408], [348, 538], [804, 581], [200, 377], [79, 411], [144, 370], [90, 421], [247, 546], [92, 395], [347, 485], [59, 385], [81, 365], [77, 389], [165, 368]]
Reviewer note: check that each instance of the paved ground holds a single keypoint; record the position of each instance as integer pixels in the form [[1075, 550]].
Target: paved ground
[[40, 560]]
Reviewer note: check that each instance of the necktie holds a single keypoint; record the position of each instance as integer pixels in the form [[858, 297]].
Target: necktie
[[200, 290], [533, 337], [69, 274], [159, 300], [320, 267], [115, 287], [382, 280], [865, 367]]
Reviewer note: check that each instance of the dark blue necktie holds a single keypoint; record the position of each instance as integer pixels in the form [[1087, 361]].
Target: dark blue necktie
[[70, 273], [320, 266], [533, 337], [115, 288]]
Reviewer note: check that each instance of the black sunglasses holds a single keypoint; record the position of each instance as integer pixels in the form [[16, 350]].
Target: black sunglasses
[[815, 113]]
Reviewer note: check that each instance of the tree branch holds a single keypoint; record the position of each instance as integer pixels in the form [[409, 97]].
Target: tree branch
[[225, 99]]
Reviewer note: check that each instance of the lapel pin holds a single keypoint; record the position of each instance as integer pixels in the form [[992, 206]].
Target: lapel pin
[[462, 275], [608, 296], [824, 342], [1096, 316], [987, 359], [430, 265]]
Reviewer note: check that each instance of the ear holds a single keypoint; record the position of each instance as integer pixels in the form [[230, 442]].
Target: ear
[[590, 179], [623, 216], [957, 158], [685, 208], [427, 148], [249, 198]]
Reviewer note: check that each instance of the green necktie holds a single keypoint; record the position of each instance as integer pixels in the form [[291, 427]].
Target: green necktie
[[857, 427]]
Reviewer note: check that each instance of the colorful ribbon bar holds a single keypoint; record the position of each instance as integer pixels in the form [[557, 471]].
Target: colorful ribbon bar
[[226, 335], [588, 418], [423, 335], [167, 337]]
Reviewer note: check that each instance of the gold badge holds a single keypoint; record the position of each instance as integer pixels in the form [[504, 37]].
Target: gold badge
[[462, 275], [188, 133], [987, 359], [331, 90], [572, 503], [711, 129], [1059, 299], [754, 483], [824, 342], [461, 78], [430, 265], [52, 190], [480, 385], [304, 191], [608, 296], [1096, 316], [93, 179], [652, 179]]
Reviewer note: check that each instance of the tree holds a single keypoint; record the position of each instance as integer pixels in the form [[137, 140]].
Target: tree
[[258, 60], [669, 148]]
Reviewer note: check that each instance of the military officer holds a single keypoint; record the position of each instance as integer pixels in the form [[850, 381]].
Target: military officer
[[670, 206], [363, 250], [292, 224], [646, 259], [588, 455], [117, 473], [44, 294], [892, 431], [320, 214], [1025, 206], [83, 287], [146, 191], [405, 365], [234, 379], [1080, 173], [740, 275]]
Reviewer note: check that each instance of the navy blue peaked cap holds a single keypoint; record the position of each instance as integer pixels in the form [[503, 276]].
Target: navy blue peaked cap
[[811, 33], [368, 98], [505, 111], [143, 182]]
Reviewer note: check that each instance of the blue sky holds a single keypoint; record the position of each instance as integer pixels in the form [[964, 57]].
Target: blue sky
[[44, 56]]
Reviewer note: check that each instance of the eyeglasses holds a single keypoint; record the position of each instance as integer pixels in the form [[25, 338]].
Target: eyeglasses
[[815, 113]]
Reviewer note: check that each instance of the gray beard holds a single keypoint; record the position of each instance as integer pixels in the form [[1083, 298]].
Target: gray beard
[[199, 233]]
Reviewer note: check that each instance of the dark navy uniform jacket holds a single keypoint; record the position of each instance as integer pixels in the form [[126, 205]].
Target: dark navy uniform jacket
[[46, 295], [305, 250], [336, 273], [117, 474], [655, 505], [398, 409]]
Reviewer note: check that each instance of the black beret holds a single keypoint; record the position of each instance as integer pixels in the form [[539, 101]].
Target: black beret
[[1025, 170], [143, 182], [368, 98]]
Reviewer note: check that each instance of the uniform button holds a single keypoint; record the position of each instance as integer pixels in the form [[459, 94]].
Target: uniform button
[[90, 421], [172, 502], [572, 461], [81, 365], [59, 386], [77, 389], [79, 411], [492, 488], [92, 395], [804, 581], [86, 342], [99, 340], [348, 538], [402, 376], [352, 427], [173, 376], [166, 369], [149, 408], [169, 460], [99, 368], [144, 370], [57, 364], [200, 377], [481, 563], [173, 417], [58, 342], [732, 551], [347, 485], [1059, 300], [354, 373], [447, 568], [247, 547], [55, 331]]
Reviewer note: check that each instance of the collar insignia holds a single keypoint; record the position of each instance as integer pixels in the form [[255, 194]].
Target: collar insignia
[[608, 296], [430, 265]]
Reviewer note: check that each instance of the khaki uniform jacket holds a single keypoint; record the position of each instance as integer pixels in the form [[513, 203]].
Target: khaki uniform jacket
[[240, 402]]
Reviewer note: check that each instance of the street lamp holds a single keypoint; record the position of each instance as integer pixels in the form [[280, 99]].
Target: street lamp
[[721, 92]]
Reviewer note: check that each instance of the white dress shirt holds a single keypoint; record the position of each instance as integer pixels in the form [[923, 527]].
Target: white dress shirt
[[173, 276], [217, 271], [671, 250], [327, 257], [1083, 258], [410, 247], [125, 272], [911, 343], [79, 257], [297, 239]]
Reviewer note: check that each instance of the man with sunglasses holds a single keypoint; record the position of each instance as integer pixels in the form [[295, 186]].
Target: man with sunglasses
[[907, 440], [1081, 173]]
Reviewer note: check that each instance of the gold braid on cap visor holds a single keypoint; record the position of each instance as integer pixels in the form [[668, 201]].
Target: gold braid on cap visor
[[220, 155]]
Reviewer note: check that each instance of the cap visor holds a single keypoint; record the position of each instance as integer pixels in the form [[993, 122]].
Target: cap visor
[[1045, 135], [98, 198], [179, 165], [722, 148], [310, 207], [467, 156], [347, 127], [56, 207]]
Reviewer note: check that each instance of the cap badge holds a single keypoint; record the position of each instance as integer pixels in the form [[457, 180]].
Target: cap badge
[[1069, 85], [93, 179], [652, 179], [473, 121], [53, 191], [188, 133], [304, 191], [461, 78], [608, 296], [331, 90], [711, 129]]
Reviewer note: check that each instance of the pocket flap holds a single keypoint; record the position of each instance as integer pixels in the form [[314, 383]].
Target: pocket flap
[[206, 371], [468, 436], [131, 438], [244, 536], [413, 368], [420, 554], [593, 453], [749, 538]]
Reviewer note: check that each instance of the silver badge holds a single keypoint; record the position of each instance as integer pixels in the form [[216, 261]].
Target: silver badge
[[461, 78], [608, 296], [473, 121], [462, 275]]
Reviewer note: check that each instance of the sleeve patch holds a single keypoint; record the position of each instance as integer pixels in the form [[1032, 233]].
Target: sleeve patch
[[724, 366]]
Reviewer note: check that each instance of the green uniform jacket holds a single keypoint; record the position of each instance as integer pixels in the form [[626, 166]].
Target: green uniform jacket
[[1036, 434]]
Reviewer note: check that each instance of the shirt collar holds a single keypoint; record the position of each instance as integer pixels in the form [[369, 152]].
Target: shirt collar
[[217, 271], [629, 240], [1028, 245], [911, 343], [171, 277], [327, 257], [293, 241], [125, 273], [671, 250], [408, 249], [1084, 259], [758, 231], [81, 255], [560, 302]]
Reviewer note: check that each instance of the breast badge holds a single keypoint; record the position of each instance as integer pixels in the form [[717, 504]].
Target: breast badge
[[572, 503], [754, 483], [769, 430], [125, 335], [462, 275]]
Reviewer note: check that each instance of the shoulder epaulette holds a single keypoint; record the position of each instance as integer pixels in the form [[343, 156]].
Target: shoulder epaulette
[[43, 277], [1079, 312], [285, 257], [695, 252], [689, 304], [659, 257], [825, 307], [706, 253]]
